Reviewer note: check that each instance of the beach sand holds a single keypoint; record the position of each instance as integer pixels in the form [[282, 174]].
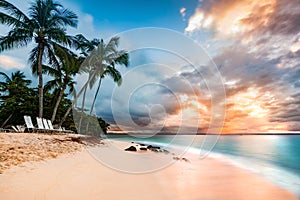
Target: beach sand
[[76, 174]]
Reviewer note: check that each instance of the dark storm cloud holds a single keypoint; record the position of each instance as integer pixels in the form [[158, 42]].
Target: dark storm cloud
[[288, 111]]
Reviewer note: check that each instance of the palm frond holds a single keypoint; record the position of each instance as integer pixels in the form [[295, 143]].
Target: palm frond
[[13, 11], [123, 59], [114, 74], [11, 21], [66, 17], [50, 85], [6, 77], [14, 39]]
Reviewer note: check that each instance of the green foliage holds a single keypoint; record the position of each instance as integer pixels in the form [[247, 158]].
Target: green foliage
[[46, 24], [18, 99]]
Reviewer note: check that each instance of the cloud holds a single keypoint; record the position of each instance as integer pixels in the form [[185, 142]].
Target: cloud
[[269, 27], [183, 13], [287, 111], [9, 63], [229, 17], [294, 127]]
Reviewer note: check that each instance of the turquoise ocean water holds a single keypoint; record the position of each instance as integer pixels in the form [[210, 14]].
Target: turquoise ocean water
[[274, 157]]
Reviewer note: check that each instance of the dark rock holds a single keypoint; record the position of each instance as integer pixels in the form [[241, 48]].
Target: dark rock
[[141, 144], [131, 148], [166, 151], [153, 147], [143, 149]]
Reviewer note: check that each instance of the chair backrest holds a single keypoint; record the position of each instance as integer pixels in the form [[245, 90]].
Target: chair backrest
[[15, 129], [45, 124], [39, 123], [20, 128], [50, 124], [28, 121]]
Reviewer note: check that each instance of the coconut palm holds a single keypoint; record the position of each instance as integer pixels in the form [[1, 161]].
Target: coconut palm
[[113, 73], [117, 78], [69, 64], [11, 85], [85, 47], [101, 62], [45, 23], [13, 89], [97, 61]]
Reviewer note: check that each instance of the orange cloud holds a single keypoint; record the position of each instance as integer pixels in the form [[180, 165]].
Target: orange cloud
[[249, 111], [232, 17]]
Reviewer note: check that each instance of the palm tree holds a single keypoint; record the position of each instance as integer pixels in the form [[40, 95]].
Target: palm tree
[[114, 74], [117, 78], [11, 85], [69, 64], [12, 89], [96, 63], [45, 24], [85, 47], [102, 61]]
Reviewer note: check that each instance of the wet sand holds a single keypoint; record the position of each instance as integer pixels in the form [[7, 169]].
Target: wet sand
[[78, 175]]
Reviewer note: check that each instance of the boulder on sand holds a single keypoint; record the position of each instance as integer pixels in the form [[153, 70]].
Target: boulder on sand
[[153, 147], [131, 148]]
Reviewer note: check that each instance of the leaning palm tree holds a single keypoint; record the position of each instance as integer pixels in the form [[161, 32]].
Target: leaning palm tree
[[97, 61], [69, 64], [117, 78], [101, 61], [85, 47], [113, 73], [45, 23]]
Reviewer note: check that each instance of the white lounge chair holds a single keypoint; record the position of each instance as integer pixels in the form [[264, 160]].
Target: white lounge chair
[[51, 127], [29, 125], [40, 124], [62, 130], [66, 131], [20, 128], [45, 123], [15, 129]]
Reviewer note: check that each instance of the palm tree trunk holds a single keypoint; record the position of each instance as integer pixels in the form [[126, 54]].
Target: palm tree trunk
[[65, 117], [94, 100], [82, 108], [95, 97], [61, 94], [75, 101], [40, 71], [7, 120]]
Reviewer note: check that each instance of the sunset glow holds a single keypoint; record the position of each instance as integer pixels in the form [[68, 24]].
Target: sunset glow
[[251, 46]]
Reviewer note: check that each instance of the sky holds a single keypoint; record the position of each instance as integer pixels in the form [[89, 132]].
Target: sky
[[227, 66]]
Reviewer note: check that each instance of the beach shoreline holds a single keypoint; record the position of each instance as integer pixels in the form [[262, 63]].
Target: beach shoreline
[[76, 169]]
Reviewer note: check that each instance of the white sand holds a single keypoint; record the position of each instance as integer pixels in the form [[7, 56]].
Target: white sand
[[80, 176]]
